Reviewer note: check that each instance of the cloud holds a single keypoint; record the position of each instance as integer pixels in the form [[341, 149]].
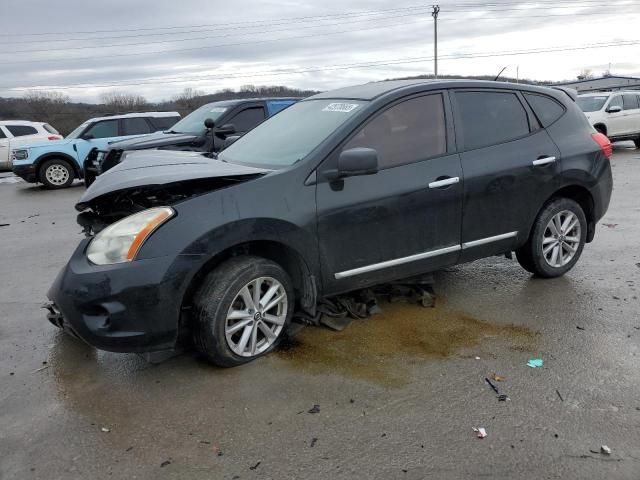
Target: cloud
[[228, 45]]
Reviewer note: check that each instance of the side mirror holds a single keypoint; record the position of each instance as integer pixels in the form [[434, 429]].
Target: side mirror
[[87, 137], [209, 123], [230, 140], [353, 162], [226, 130], [614, 109]]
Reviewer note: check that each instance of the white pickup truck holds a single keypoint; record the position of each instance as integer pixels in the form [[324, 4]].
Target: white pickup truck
[[19, 132]]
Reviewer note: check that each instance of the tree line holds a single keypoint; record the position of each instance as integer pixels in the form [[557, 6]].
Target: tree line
[[58, 110]]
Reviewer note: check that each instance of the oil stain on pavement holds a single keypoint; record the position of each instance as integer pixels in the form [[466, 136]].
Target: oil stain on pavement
[[372, 349]]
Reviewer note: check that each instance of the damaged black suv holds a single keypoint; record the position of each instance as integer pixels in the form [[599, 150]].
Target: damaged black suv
[[342, 191]]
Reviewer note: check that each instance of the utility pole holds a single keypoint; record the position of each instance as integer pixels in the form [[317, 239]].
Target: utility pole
[[434, 14]]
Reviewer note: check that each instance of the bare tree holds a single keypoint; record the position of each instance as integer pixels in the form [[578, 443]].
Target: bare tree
[[189, 100], [46, 106], [585, 74], [123, 102]]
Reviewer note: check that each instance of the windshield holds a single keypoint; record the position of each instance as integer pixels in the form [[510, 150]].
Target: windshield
[[194, 122], [292, 134], [591, 104], [78, 130]]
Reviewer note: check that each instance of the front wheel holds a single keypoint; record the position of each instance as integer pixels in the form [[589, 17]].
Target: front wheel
[[56, 173], [242, 310], [557, 239]]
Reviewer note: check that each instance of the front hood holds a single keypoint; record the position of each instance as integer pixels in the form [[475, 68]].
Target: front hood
[[151, 168], [155, 140]]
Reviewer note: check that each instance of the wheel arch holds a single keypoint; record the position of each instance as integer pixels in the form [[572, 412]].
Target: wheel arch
[[304, 281], [59, 155], [582, 197]]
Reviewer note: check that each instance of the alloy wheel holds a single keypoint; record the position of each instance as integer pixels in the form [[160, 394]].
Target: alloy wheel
[[561, 239], [256, 317]]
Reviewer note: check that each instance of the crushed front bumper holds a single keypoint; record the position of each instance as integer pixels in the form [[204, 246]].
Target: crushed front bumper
[[128, 307]]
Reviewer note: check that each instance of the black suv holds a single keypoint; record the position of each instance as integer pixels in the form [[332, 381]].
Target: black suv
[[228, 117], [342, 191]]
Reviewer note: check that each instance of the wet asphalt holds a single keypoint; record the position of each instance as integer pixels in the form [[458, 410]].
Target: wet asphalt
[[394, 396]]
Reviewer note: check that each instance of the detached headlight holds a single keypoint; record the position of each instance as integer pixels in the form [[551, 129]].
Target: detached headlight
[[120, 242], [19, 154]]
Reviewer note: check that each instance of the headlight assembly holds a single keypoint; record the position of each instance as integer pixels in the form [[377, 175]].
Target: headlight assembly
[[19, 154], [120, 242]]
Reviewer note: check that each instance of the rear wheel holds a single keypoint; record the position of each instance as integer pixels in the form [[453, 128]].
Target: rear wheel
[[56, 173], [242, 310], [557, 239]]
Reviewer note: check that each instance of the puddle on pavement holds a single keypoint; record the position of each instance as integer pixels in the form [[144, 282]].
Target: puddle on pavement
[[372, 349]]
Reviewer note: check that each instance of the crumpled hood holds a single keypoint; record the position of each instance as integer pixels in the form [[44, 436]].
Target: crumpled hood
[[155, 140], [161, 167]]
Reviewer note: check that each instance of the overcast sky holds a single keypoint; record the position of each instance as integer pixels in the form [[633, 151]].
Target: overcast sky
[[167, 45]]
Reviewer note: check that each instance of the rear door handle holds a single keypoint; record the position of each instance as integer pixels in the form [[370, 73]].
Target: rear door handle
[[444, 182], [544, 161]]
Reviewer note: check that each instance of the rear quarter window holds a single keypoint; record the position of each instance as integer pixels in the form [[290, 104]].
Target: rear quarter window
[[490, 118], [50, 129], [21, 130], [546, 109]]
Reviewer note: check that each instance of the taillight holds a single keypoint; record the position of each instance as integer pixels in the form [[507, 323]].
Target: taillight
[[54, 137], [605, 144]]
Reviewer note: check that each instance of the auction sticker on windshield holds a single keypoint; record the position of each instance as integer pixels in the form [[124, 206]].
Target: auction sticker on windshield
[[340, 107], [218, 109]]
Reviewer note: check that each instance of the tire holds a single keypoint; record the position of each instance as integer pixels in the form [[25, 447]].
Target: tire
[[548, 255], [56, 173], [637, 142], [220, 294]]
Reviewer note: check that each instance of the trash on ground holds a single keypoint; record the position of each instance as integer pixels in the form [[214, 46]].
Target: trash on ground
[[480, 431], [105, 430], [493, 387], [255, 466], [559, 396], [477, 358], [610, 225], [497, 378], [535, 363], [606, 450], [41, 369], [165, 463], [501, 396], [313, 442], [315, 409], [579, 327]]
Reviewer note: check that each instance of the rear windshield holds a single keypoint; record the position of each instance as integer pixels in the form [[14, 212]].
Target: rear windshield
[[50, 129], [591, 104], [292, 134]]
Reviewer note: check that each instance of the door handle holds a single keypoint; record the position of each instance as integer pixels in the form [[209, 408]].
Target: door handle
[[444, 182], [544, 161]]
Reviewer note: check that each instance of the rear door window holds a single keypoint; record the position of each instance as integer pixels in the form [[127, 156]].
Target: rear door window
[[408, 132], [546, 109], [105, 129], [491, 118], [629, 102], [135, 126], [21, 130], [247, 119]]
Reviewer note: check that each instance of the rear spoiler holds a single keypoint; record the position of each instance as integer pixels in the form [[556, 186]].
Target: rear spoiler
[[571, 93]]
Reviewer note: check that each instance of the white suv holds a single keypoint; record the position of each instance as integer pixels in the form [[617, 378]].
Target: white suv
[[16, 132], [616, 114]]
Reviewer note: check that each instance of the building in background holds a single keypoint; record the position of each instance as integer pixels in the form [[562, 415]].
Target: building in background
[[606, 83]]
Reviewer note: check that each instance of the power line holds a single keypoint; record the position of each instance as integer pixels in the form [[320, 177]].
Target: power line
[[406, 60], [546, 3]]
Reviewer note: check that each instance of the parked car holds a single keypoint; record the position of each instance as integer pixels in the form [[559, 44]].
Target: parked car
[[17, 132], [231, 117], [615, 114], [341, 191], [56, 164]]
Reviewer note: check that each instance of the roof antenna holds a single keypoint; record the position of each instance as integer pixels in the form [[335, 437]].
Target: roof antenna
[[498, 76]]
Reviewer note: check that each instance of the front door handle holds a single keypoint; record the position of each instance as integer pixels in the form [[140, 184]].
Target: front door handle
[[544, 161], [445, 182]]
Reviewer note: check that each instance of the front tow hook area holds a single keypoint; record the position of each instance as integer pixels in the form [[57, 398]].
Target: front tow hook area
[[54, 315]]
